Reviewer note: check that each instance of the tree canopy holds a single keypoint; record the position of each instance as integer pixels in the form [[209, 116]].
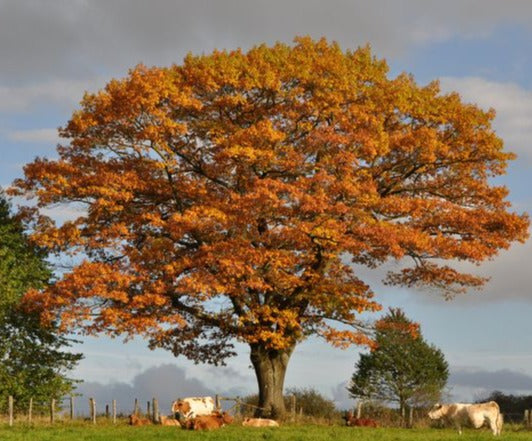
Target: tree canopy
[[33, 363], [402, 368], [22, 265], [226, 198]]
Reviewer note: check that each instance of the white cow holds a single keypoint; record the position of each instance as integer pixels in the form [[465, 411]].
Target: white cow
[[192, 407], [259, 422], [460, 414]]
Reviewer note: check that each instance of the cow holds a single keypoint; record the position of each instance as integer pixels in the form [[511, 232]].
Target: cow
[[352, 421], [135, 420], [259, 422], [460, 414], [191, 407], [209, 422], [362, 422], [169, 421]]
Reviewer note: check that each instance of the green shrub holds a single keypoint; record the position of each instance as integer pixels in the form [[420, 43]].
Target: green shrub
[[312, 403]]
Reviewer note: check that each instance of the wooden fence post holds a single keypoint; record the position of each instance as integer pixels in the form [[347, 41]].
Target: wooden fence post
[[525, 418], [410, 417], [238, 407], [359, 409], [293, 407], [10, 407], [92, 403], [107, 411], [217, 402], [71, 407], [52, 411], [155, 408], [114, 411], [136, 408], [30, 410]]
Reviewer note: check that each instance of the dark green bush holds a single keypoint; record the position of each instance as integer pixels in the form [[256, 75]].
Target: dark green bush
[[312, 403]]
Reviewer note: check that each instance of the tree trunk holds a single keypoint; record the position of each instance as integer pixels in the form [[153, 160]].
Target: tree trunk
[[402, 410], [270, 368]]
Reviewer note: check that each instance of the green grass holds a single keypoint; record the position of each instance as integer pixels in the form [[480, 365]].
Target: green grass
[[123, 432]]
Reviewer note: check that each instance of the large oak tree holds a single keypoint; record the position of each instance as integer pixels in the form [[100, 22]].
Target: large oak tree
[[224, 198]]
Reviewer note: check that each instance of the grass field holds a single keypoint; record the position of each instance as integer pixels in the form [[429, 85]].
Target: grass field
[[123, 432]]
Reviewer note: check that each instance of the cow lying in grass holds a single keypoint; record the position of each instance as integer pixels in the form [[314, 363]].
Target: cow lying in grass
[[259, 422], [353, 421], [169, 421], [135, 420], [209, 422]]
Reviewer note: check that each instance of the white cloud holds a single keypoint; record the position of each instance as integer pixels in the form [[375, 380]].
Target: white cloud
[[63, 213], [512, 102], [471, 384], [341, 397], [83, 38], [509, 279], [65, 93], [502, 379], [48, 136]]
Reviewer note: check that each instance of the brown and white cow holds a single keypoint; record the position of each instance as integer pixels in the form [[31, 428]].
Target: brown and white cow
[[259, 422], [192, 407], [460, 414], [209, 422]]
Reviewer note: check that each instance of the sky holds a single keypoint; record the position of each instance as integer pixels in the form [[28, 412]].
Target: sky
[[52, 52]]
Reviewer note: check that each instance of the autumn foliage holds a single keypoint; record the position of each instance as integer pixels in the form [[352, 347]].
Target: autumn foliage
[[227, 198]]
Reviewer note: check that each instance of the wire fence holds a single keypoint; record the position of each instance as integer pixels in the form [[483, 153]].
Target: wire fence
[[65, 410]]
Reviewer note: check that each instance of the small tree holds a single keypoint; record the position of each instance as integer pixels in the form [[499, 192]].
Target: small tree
[[32, 363], [402, 368]]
